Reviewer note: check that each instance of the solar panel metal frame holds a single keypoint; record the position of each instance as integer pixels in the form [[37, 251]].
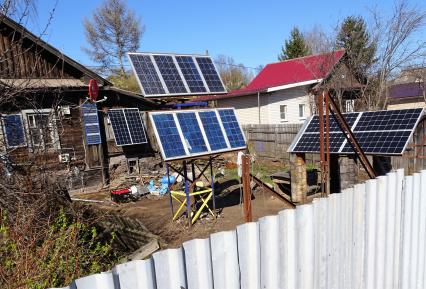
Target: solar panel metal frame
[[6, 140], [173, 55], [128, 129], [86, 124], [302, 131], [185, 145]]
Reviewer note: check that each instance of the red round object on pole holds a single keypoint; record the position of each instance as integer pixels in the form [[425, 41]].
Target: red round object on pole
[[93, 90]]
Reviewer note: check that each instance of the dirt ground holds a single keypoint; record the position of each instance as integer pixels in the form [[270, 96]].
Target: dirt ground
[[155, 213]]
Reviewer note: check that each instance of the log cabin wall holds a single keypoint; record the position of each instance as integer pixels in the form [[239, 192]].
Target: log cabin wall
[[22, 58]]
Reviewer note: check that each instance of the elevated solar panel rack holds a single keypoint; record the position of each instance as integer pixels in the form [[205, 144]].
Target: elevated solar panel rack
[[361, 127], [168, 74], [168, 128]]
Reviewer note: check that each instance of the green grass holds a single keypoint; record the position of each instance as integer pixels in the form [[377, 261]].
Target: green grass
[[258, 168]]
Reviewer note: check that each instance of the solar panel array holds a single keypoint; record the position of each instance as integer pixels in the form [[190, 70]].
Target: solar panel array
[[175, 75], [191, 133], [91, 124], [13, 130], [378, 132], [127, 126]]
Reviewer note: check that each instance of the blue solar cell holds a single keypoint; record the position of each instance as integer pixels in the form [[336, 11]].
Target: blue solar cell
[[147, 74], [168, 135], [232, 128], [170, 74], [213, 130], [210, 74], [191, 74], [191, 132], [119, 127], [135, 125], [14, 130], [91, 124]]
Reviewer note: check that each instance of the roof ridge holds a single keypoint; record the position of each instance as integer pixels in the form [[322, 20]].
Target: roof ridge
[[307, 56]]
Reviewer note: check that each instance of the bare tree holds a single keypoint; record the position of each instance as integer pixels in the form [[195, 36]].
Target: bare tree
[[399, 44], [318, 40], [235, 76], [113, 31]]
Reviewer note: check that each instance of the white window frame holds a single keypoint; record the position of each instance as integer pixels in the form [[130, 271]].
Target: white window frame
[[3, 135], [52, 123], [303, 110], [350, 103], [285, 112]]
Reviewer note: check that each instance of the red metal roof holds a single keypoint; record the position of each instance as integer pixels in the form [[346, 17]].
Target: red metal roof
[[312, 67]]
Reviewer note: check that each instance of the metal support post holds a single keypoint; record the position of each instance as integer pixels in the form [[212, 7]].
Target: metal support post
[[168, 187], [212, 185], [188, 198]]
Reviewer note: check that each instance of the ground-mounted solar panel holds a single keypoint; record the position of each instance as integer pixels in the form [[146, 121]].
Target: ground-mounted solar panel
[[168, 135], [13, 130], [378, 132], [163, 75], [91, 124], [127, 126], [232, 127], [214, 133], [191, 133]]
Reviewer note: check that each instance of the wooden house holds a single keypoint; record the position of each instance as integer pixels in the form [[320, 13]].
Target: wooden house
[[283, 92], [42, 92]]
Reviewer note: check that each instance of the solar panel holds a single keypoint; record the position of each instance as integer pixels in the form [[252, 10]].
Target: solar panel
[[170, 74], [213, 130], [168, 135], [127, 126], [210, 74], [191, 133], [232, 128], [135, 125], [162, 74], [14, 130], [191, 74], [91, 124], [147, 75], [378, 132]]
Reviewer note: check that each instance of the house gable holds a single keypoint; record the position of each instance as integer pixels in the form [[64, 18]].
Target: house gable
[[26, 56]]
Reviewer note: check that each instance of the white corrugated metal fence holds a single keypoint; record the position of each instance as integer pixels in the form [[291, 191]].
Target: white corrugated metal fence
[[369, 236]]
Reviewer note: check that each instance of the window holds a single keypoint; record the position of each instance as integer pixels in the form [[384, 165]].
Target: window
[[349, 105], [41, 129], [283, 112], [13, 130], [302, 111]]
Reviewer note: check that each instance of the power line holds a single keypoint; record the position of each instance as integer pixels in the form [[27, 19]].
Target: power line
[[216, 62]]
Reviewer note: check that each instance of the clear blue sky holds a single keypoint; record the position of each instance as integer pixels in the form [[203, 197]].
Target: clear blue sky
[[250, 31]]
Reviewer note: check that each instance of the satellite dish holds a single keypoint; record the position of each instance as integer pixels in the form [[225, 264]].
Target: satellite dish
[[93, 90]]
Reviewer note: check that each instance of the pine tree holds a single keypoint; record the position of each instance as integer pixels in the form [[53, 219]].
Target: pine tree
[[355, 39], [294, 47]]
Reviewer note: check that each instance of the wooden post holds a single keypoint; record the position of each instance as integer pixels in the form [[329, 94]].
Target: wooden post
[[246, 188]]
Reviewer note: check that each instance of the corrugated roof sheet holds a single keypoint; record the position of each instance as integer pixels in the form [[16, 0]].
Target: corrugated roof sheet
[[293, 71]]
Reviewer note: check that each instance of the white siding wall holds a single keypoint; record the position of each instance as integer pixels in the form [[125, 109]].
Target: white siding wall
[[406, 105], [248, 112]]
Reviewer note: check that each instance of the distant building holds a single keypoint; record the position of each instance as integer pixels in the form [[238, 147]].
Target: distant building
[[283, 91], [408, 90]]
